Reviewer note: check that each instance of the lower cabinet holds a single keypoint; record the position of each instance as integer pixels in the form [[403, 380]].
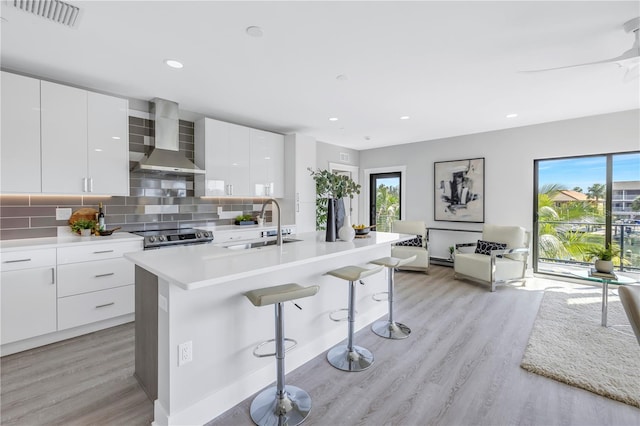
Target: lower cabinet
[[28, 303], [44, 291], [94, 283]]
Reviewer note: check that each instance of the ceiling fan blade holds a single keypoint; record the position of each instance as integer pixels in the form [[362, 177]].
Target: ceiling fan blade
[[634, 52]]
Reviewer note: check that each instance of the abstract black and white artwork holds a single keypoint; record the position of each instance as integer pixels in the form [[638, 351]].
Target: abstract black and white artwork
[[459, 190]]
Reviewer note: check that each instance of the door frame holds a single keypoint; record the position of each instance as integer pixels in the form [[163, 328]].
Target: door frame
[[366, 190]]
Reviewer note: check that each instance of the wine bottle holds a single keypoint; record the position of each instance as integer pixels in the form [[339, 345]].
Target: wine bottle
[[101, 224]]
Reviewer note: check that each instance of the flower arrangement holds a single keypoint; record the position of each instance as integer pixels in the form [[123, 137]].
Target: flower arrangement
[[330, 185]]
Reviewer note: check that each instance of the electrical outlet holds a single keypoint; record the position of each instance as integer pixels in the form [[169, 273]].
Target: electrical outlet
[[185, 353], [219, 210], [63, 214]]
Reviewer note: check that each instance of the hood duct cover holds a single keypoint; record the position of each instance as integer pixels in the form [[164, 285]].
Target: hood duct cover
[[166, 156]]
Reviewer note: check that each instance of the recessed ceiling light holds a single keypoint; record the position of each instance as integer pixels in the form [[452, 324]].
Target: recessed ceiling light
[[267, 158], [115, 137], [342, 77], [405, 117], [333, 119], [512, 115], [367, 138], [173, 63], [254, 31]]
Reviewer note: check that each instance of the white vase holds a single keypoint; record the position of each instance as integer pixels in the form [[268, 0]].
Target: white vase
[[347, 233], [604, 266], [86, 232]]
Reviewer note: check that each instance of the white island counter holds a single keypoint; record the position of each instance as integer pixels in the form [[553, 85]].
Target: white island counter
[[200, 292]]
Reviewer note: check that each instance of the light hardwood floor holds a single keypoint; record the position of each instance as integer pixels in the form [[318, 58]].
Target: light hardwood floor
[[460, 366]]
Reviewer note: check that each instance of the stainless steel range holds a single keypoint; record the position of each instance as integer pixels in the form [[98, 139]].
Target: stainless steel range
[[174, 237]]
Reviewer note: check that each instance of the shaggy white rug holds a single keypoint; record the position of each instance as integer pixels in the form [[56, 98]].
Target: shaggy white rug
[[568, 344]]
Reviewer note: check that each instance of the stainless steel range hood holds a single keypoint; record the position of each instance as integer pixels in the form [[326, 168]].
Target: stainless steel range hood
[[166, 156]]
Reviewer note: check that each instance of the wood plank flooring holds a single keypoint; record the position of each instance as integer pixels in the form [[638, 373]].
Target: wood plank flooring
[[460, 366]]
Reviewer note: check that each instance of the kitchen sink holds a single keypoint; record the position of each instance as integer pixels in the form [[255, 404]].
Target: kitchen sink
[[259, 244]]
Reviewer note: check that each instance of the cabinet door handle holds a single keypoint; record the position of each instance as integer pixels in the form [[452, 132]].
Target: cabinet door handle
[[84, 185], [103, 251], [90, 184], [53, 276], [105, 305], [105, 275], [17, 260]]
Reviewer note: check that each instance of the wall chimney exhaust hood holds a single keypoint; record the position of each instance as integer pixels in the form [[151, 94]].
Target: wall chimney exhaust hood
[[166, 156]]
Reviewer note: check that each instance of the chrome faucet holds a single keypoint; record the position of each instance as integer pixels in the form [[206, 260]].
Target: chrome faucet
[[264, 205]]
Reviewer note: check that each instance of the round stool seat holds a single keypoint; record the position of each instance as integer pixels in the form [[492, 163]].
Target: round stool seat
[[280, 293], [354, 273], [394, 262]]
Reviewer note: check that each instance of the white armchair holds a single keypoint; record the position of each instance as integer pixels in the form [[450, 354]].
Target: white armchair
[[420, 249], [500, 257]]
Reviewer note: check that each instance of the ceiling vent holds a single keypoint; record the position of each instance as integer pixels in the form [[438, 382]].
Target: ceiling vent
[[53, 10]]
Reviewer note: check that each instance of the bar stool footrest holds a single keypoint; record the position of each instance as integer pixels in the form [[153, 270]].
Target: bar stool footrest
[[258, 346], [332, 316], [377, 296]]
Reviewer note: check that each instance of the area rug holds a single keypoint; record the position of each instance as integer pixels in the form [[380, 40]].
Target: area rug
[[568, 344]]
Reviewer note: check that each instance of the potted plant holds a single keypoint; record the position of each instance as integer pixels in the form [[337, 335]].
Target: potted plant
[[245, 219], [83, 227], [334, 187], [604, 257], [451, 252]]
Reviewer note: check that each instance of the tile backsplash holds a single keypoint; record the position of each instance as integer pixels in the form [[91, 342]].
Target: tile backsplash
[[155, 201]]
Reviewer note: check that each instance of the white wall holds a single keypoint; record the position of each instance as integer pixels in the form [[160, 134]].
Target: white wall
[[509, 156]]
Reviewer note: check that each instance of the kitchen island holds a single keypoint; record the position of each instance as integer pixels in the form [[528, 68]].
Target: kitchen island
[[200, 294]]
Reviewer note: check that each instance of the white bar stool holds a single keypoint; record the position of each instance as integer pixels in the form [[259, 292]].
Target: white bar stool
[[350, 357], [280, 404], [389, 328]]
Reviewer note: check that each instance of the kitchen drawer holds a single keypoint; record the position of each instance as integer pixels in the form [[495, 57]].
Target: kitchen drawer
[[98, 251], [23, 259], [81, 309], [78, 278]]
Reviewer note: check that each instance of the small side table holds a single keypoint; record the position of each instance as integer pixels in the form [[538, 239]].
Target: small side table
[[613, 279]]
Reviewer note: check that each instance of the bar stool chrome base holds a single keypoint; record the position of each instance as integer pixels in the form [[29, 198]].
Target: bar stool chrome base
[[356, 360], [267, 409], [391, 330]]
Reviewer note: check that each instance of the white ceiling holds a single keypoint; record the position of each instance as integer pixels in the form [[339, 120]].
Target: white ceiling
[[451, 66]]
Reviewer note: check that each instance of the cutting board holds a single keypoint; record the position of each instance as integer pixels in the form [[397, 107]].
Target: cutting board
[[83, 213]]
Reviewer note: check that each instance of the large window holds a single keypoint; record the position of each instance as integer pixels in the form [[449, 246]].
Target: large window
[[582, 202]]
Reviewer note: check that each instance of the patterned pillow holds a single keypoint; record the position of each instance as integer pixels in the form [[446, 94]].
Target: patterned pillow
[[415, 242], [485, 247]]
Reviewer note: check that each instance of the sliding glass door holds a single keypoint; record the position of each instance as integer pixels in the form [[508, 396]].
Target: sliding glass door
[[384, 200], [582, 202]]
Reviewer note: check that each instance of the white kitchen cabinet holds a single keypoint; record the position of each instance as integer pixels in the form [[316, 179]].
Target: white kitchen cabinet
[[222, 149], [108, 144], [95, 283], [20, 139], [27, 294], [240, 161], [267, 164], [84, 142]]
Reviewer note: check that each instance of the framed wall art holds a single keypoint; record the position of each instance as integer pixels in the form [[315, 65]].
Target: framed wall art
[[459, 190]]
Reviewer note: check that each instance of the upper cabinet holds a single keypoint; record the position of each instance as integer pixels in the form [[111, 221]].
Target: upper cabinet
[[240, 161], [62, 140], [20, 139], [267, 164], [108, 144], [84, 142]]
